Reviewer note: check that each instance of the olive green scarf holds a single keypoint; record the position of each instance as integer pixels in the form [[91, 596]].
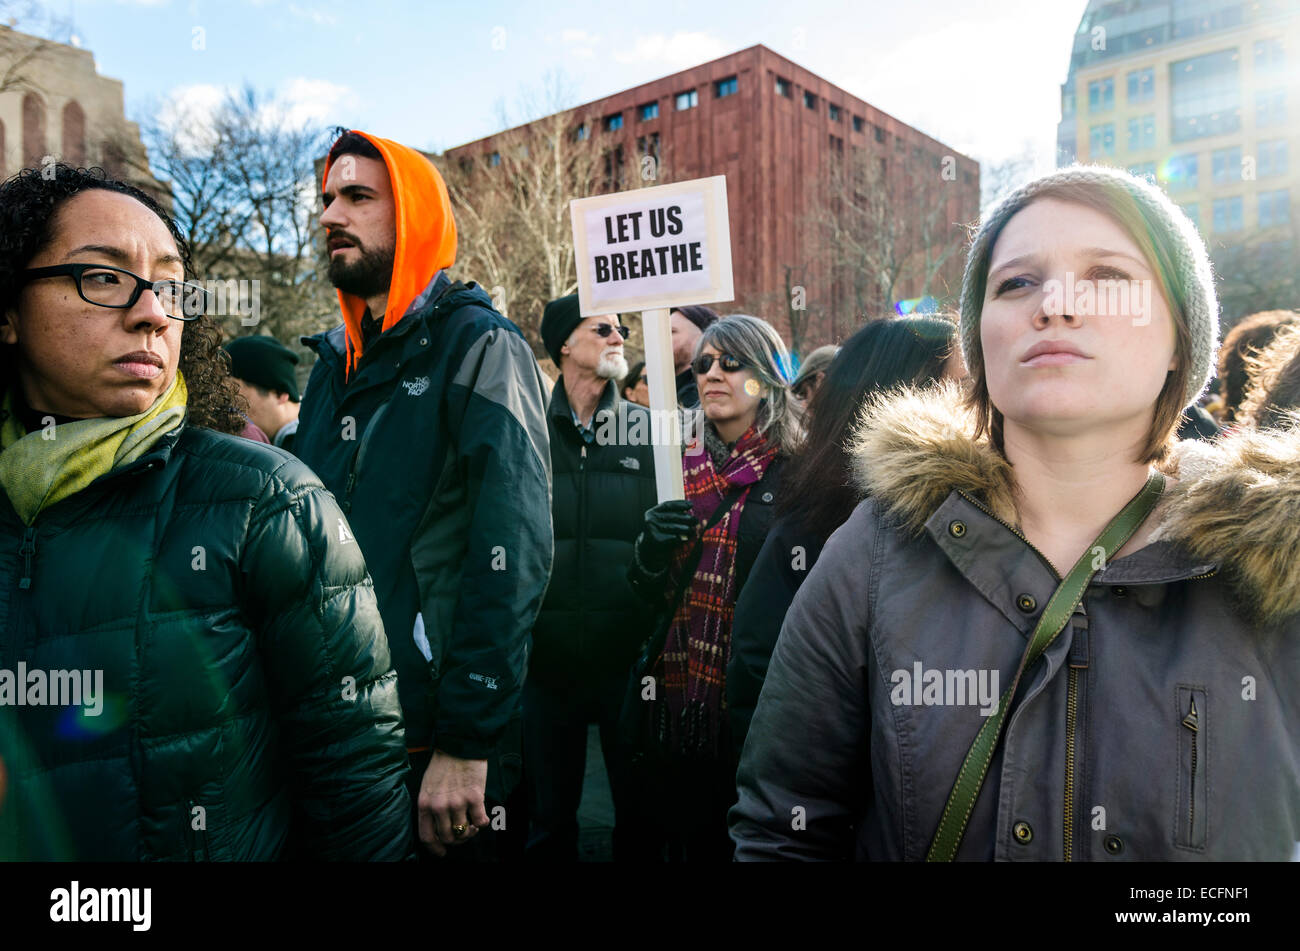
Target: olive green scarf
[[39, 468]]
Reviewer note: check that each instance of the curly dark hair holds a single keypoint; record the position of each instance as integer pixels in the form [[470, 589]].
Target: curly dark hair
[[28, 203]]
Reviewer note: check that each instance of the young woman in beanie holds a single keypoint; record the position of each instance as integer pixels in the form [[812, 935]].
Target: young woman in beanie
[[1049, 634], [691, 561]]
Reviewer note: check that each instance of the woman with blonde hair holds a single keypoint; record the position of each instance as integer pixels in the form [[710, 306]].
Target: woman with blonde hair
[[1049, 633]]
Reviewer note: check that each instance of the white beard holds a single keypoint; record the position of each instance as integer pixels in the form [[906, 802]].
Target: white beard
[[612, 366]]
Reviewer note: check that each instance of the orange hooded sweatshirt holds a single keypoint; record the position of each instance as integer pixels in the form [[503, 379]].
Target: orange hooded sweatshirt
[[426, 237]]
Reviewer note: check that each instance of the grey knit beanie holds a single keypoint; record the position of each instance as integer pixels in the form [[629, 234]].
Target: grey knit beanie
[[1191, 262]]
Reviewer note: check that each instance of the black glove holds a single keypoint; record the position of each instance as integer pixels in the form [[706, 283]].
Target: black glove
[[666, 526]]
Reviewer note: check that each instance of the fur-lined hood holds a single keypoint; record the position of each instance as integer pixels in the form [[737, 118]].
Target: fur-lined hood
[[1236, 502]]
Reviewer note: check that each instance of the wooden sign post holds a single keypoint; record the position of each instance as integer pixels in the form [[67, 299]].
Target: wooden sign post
[[653, 249]]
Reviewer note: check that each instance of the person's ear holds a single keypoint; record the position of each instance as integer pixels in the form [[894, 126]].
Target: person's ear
[[9, 326]]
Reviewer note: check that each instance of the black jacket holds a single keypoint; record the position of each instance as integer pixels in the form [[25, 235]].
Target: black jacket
[[437, 450], [688, 392], [591, 623], [786, 558], [248, 708]]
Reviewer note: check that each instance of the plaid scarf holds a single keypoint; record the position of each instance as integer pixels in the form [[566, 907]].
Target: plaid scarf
[[691, 709]]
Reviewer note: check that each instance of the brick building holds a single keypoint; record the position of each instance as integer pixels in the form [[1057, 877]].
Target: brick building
[[776, 131]]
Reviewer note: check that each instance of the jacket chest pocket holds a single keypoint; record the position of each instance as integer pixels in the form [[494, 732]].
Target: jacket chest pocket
[[1191, 828]]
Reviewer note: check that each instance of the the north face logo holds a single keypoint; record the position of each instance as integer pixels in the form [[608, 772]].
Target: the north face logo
[[345, 535], [631, 462], [417, 386]]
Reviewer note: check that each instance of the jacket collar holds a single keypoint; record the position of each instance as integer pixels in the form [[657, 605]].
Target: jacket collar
[[1235, 505], [561, 408]]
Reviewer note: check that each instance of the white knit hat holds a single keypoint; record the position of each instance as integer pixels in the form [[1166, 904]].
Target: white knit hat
[[1190, 266]]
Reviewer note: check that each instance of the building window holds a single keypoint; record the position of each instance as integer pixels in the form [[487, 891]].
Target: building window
[[580, 133], [879, 134], [1274, 208], [1101, 94], [494, 159], [614, 169], [1142, 85], [1067, 104], [884, 167], [688, 100], [725, 87], [33, 131], [649, 110], [1205, 96], [614, 122], [1227, 214], [1142, 133], [833, 111], [1270, 107], [809, 100], [837, 145], [899, 145], [1145, 170], [966, 178], [859, 124], [648, 145], [74, 135], [1101, 140], [1181, 172], [1225, 165], [1270, 56], [1272, 158], [783, 87]]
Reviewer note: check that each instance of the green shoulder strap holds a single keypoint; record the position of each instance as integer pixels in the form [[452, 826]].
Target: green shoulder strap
[[1061, 606]]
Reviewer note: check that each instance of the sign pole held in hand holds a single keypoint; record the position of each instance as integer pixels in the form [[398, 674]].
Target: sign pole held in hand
[[653, 249], [661, 378]]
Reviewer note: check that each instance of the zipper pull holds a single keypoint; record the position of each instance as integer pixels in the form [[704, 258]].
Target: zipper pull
[[27, 550], [347, 493], [1192, 721]]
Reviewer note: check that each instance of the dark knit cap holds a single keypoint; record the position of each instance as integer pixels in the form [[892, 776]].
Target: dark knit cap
[[265, 362], [559, 318], [699, 315]]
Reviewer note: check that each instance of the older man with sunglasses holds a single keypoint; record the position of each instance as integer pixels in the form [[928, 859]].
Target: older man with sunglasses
[[590, 625]]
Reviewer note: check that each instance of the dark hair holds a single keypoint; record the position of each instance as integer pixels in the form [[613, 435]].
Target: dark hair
[[352, 143], [1273, 394], [698, 314], [29, 202], [818, 487], [1251, 335], [629, 381]]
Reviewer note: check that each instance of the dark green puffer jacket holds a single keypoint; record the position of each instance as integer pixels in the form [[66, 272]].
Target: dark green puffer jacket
[[248, 708]]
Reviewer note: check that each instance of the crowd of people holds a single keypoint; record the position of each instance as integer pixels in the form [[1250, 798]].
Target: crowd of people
[[1018, 582]]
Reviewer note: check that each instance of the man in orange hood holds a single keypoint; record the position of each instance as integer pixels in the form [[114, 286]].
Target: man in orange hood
[[425, 416]]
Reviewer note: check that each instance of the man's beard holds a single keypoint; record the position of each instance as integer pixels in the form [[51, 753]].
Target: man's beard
[[368, 276], [612, 366]]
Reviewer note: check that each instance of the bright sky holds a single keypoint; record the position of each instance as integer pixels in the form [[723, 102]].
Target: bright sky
[[980, 75]]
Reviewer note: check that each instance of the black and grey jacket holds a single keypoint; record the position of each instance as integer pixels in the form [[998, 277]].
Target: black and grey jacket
[[437, 450]]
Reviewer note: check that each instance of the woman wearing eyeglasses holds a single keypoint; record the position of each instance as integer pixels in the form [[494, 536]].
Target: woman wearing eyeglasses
[[691, 560], [191, 658]]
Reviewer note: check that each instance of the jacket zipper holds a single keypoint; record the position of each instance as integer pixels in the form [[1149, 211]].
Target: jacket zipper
[[582, 530], [1192, 722], [27, 550], [360, 454], [1071, 711]]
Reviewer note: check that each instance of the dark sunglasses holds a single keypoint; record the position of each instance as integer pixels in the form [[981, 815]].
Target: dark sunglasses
[[604, 330], [704, 362], [114, 287]]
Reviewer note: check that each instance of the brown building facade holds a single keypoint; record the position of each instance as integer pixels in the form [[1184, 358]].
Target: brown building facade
[[785, 138]]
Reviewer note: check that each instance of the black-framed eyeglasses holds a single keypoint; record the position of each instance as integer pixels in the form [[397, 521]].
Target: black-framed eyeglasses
[[107, 286], [704, 362], [604, 330]]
